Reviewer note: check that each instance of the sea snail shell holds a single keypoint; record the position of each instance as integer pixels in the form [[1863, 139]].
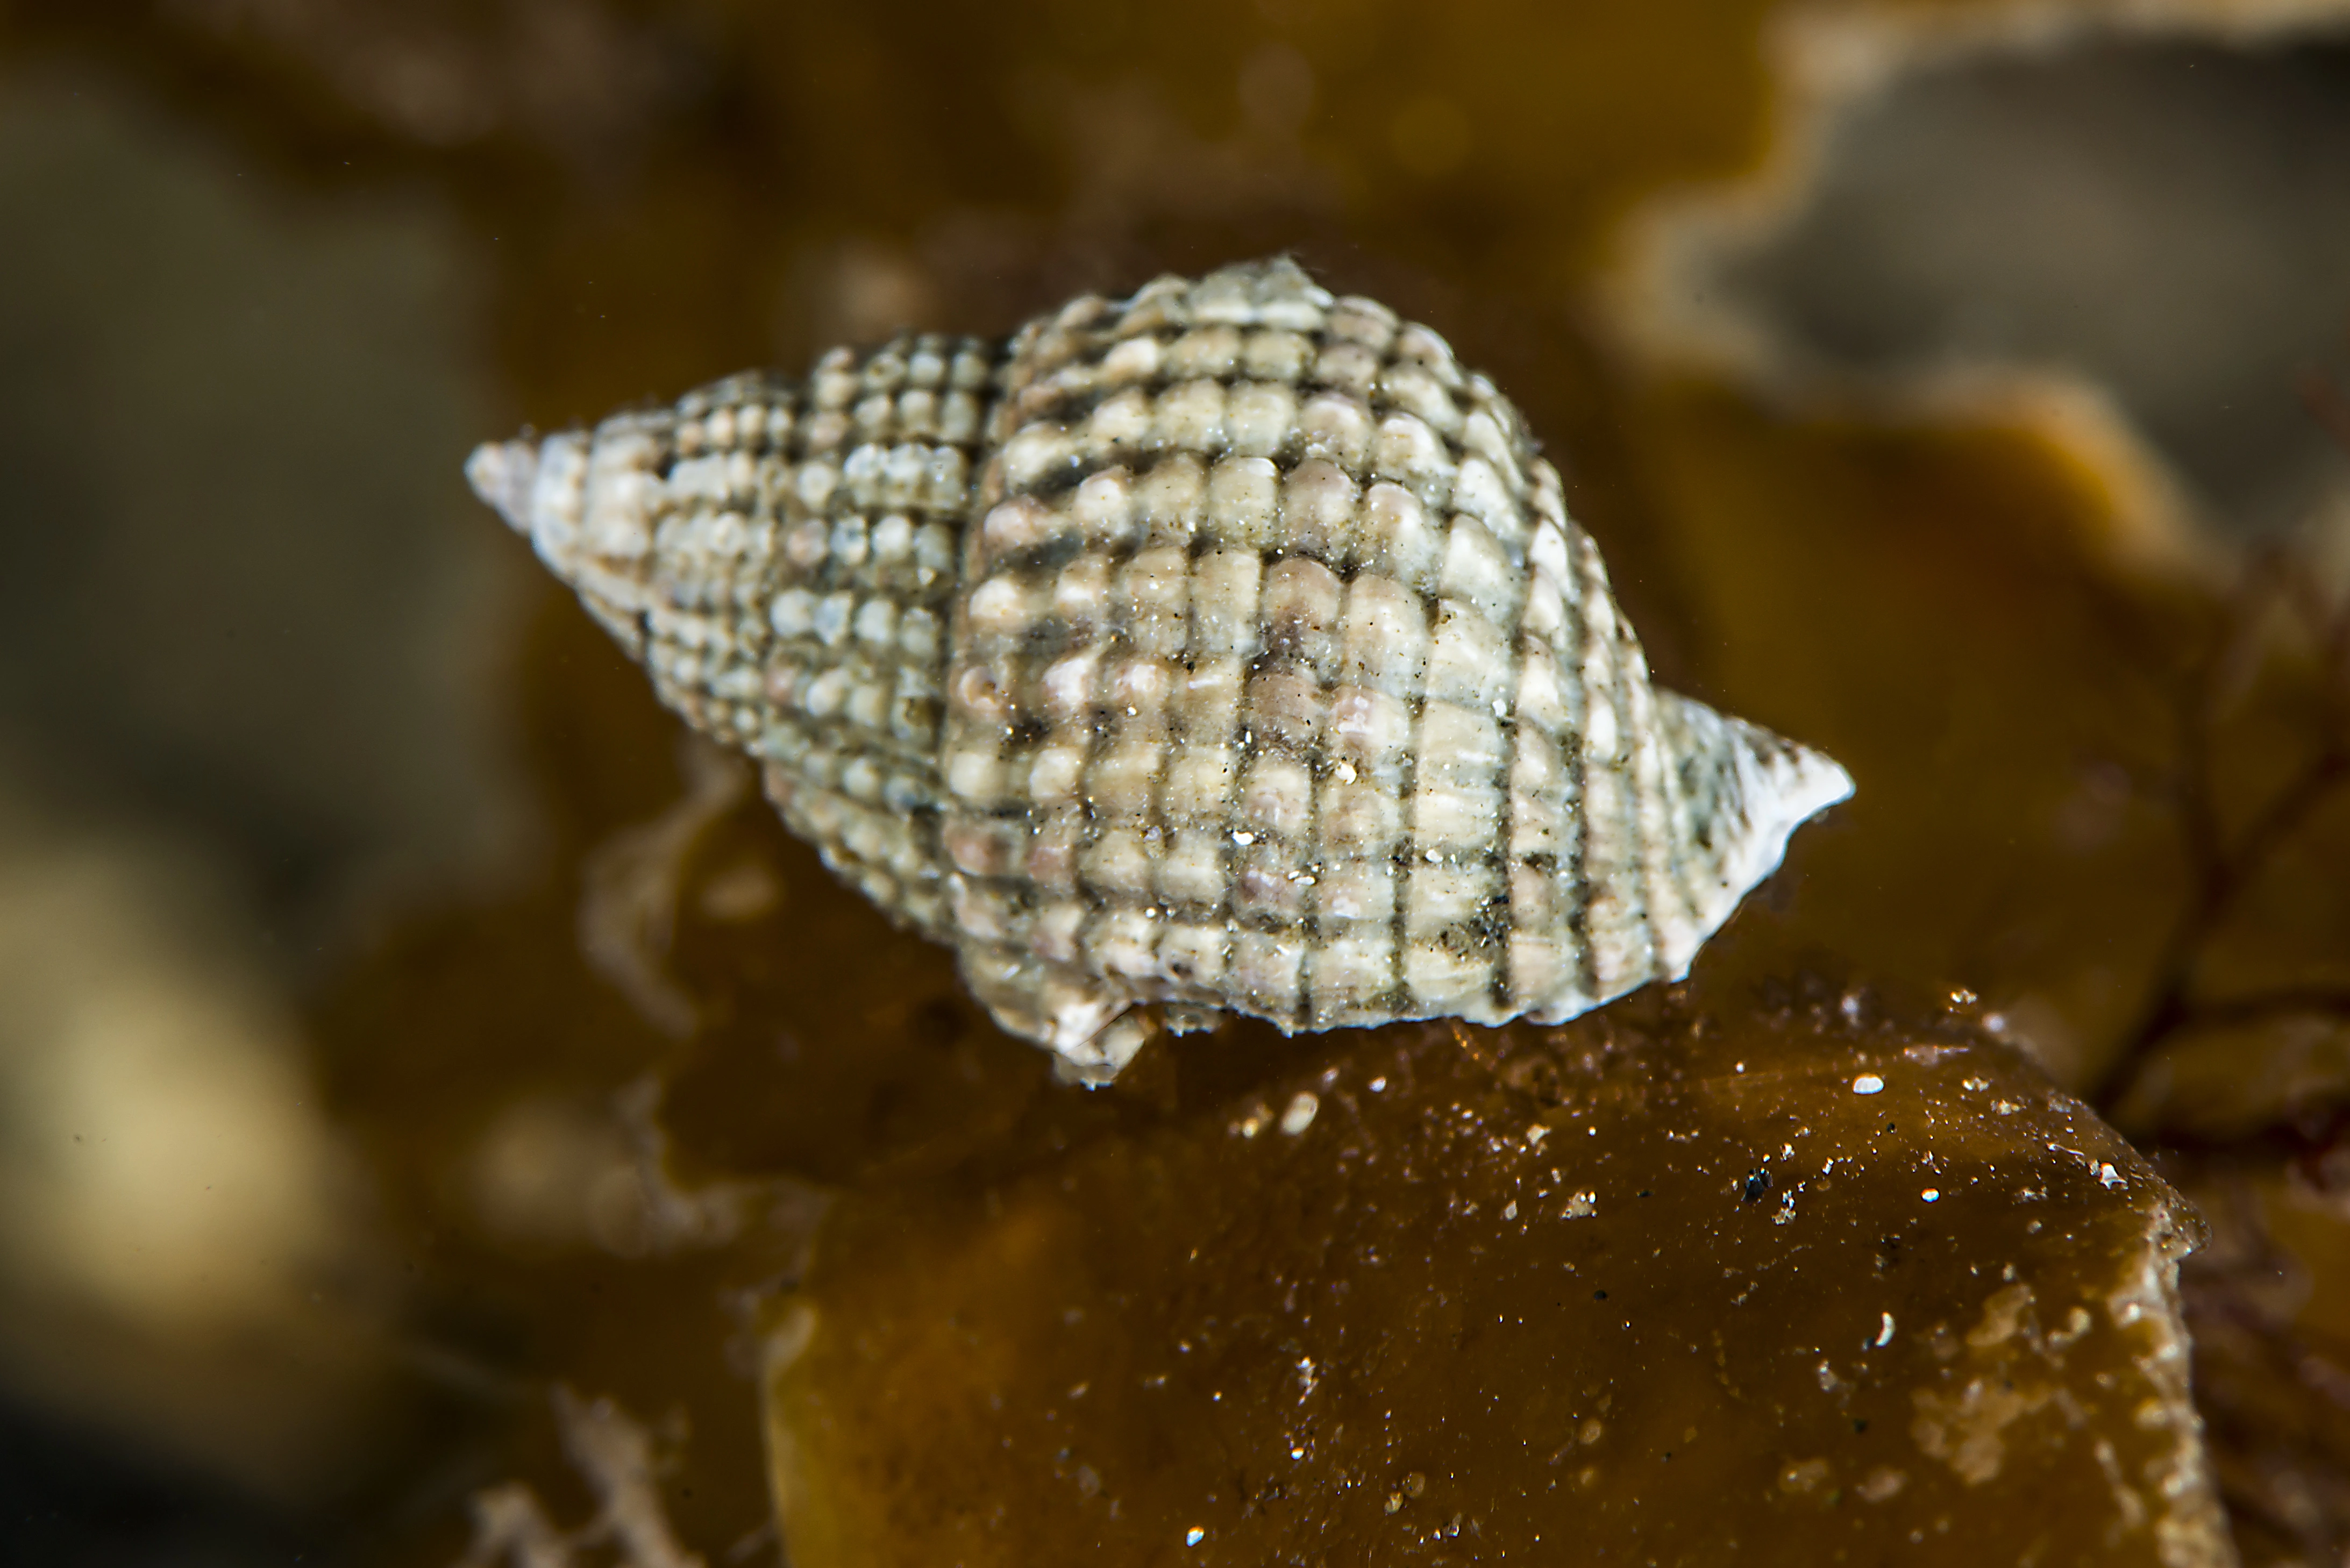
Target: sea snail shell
[[1227, 647]]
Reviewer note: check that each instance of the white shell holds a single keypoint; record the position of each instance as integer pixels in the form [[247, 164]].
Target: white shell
[[1227, 647]]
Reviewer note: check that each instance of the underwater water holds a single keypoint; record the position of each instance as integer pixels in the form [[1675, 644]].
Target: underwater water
[[445, 1118]]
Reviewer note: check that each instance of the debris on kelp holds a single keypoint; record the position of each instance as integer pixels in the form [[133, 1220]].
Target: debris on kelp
[[1227, 647], [616, 1456], [548, 1172], [627, 907], [1769, 1287]]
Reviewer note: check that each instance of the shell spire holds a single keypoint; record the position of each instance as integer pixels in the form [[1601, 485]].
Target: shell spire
[[1227, 647]]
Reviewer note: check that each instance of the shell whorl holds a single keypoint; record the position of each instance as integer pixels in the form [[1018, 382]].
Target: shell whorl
[[1227, 646]]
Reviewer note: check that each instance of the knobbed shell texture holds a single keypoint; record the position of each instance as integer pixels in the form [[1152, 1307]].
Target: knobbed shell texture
[[1227, 647]]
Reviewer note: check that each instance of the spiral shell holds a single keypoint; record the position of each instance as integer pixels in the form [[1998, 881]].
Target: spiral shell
[[1227, 647]]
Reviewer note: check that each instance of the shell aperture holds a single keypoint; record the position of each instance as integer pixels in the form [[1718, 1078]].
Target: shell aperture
[[1227, 647]]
